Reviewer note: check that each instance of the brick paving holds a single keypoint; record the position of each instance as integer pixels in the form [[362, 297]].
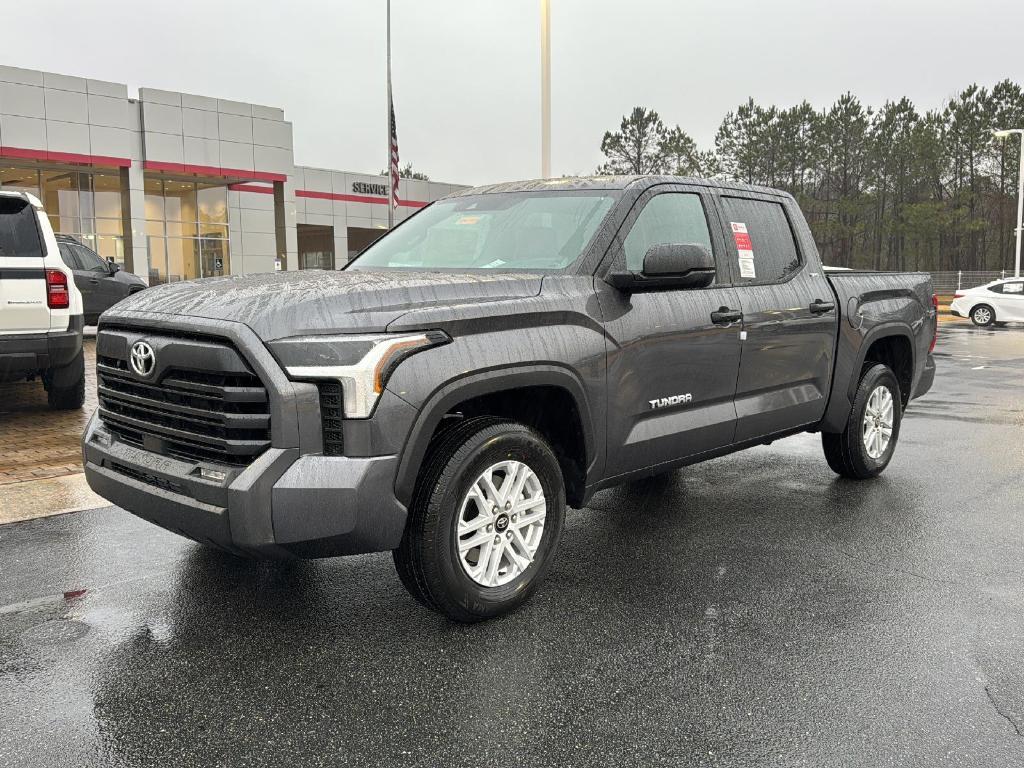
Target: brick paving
[[36, 442]]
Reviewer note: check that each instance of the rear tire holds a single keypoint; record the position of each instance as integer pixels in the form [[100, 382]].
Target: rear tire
[[865, 447], [453, 505], [983, 315], [65, 386]]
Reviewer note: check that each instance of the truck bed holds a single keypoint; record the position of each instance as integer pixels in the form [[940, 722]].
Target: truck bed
[[871, 303]]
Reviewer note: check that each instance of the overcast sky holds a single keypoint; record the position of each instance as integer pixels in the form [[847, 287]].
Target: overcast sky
[[466, 72]]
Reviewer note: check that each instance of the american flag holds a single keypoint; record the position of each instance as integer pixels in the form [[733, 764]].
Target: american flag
[[394, 155]]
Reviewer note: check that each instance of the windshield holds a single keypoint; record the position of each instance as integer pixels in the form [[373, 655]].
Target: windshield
[[534, 231]]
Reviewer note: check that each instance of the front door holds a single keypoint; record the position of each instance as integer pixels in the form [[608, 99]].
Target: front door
[[100, 289], [1008, 301], [671, 367], [789, 318]]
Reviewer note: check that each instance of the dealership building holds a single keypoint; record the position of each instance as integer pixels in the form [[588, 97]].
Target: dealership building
[[175, 186]]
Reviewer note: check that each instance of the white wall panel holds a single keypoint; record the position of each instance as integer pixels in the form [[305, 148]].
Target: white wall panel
[[164, 147], [235, 128], [200, 123], [22, 100], [66, 106], [23, 132], [67, 137], [109, 111], [161, 118], [237, 156]]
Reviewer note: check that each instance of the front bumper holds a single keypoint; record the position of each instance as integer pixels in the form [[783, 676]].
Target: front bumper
[[23, 354], [282, 505]]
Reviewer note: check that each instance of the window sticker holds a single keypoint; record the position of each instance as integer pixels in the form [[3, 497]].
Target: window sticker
[[744, 247]]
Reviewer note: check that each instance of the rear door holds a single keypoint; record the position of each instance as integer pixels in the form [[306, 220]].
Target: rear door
[[790, 320], [672, 359], [23, 306]]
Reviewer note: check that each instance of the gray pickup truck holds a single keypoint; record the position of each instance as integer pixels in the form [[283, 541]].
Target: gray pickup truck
[[506, 352]]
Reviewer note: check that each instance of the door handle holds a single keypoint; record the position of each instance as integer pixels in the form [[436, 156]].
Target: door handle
[[725, 316], [819, 307], [94, 281]]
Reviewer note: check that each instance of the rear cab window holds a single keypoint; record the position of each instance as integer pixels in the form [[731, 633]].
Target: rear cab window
[[19, 230], [761, 241]]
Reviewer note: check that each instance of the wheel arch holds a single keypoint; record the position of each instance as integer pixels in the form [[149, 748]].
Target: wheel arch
[[852, 363], [521, 393]]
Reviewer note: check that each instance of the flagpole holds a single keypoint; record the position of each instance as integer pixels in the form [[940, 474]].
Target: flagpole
[[391, 192], [545, 89]]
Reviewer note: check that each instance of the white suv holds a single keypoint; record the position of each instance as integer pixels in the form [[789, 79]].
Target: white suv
[[40, 308]]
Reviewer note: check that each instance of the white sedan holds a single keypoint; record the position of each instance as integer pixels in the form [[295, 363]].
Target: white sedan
[[1001, 301]]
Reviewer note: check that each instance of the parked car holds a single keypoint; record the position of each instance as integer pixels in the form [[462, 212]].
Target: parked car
[[505, 352], [102, 283], [40, 307], [995, 303]]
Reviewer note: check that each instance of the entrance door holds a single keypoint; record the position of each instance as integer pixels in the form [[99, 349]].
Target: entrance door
[[789, 318], [671, 365], [316, 246]]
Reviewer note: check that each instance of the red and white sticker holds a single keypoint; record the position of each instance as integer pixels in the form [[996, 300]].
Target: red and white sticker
[[744, 247]]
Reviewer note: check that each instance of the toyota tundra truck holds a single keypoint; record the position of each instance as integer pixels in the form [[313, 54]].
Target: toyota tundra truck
[[41, 313], [505, 353]]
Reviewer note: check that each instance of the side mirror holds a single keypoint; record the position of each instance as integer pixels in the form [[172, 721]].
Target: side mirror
[[669, 265], [113, 266]]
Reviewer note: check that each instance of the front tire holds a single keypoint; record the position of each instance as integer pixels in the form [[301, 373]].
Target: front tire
[[485, 521], [865, 447], [983, 315]]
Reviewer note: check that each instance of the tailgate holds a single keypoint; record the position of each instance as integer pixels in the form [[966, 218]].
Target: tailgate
[[23, 306]]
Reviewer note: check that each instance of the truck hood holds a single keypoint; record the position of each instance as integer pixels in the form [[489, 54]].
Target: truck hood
[[280, 304]]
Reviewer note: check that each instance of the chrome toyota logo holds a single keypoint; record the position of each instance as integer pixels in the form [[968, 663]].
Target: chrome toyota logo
[[143, 358]]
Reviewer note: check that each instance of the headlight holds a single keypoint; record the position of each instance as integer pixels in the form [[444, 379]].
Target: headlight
[[362, 364]]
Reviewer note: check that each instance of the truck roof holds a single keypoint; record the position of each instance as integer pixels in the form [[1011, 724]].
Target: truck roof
[[611, 182]]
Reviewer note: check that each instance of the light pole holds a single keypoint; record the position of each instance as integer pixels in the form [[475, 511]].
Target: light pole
[[1002, 135], [545, 89]]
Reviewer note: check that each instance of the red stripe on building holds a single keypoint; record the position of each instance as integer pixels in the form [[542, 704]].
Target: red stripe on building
[[251, 188], [355, 198], [72, 158], [210, 170]]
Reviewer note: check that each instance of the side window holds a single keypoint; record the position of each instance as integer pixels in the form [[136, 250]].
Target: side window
[[1014, 288], [67, 256], [762, 240], [672, 217], [997, 288], [89, 260]]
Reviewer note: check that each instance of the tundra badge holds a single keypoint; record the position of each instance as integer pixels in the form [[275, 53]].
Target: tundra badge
[[664, 402]]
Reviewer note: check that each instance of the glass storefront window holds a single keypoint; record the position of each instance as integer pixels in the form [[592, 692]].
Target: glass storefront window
[[187, 229], [213, 204], [20, 180], [79, 203]]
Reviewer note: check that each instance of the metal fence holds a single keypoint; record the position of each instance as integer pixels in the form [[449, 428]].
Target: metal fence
[[948, 282]]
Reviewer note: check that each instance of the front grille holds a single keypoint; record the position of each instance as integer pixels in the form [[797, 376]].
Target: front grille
[[331, 416], [189, 414]]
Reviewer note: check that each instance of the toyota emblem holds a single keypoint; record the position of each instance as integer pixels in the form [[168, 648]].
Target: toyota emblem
[[143, 358]]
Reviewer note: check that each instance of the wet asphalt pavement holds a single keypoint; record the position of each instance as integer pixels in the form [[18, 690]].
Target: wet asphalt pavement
[[753, 610]]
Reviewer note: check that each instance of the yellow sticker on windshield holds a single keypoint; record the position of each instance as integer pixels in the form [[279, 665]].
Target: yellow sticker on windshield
[[468, 220]]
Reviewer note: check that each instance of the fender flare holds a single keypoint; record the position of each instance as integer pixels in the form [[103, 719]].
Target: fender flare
[[883, 331], [494, 380], [837, 412]]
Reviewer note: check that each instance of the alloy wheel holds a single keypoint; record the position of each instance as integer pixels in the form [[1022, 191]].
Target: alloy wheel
[[500, 523], [876, 428]]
